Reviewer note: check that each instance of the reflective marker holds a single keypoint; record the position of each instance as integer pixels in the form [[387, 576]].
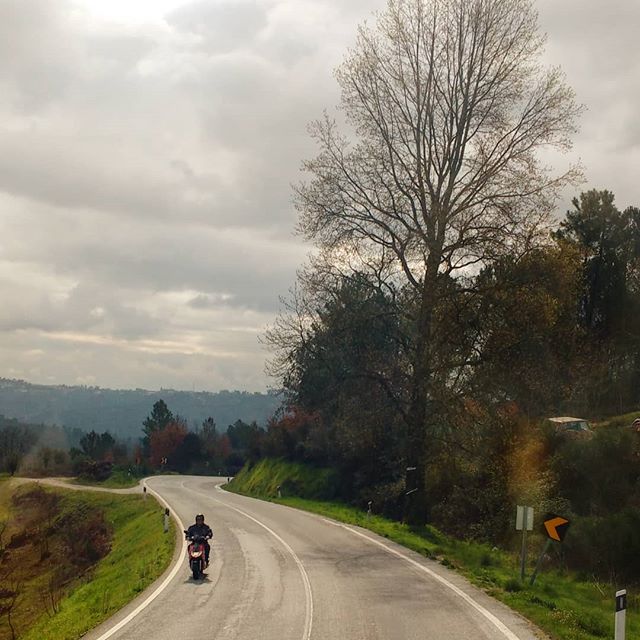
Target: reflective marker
[[621, 614]]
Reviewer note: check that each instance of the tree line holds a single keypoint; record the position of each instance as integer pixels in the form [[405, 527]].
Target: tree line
[[168, 445], [445, 311]]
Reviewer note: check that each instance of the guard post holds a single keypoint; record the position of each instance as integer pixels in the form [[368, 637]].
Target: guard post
[[166, 520], [621, 614], [144, 493]]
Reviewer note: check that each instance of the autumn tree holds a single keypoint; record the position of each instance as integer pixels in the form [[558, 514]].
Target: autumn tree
[[165, 442], [449, 105]]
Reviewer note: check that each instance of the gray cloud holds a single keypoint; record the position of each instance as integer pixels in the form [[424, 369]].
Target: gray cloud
[[145, 208], [221, 26]]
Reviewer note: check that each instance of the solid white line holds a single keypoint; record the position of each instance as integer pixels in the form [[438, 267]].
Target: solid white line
[[308, 623], [143, 605], [466, 597]]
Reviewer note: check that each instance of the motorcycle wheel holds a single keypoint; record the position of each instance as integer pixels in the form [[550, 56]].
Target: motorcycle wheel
[[195, 567]]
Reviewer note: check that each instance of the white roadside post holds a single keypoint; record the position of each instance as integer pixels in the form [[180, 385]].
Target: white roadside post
[[621, 614], [144, 493], [166, 520], [524, 523]]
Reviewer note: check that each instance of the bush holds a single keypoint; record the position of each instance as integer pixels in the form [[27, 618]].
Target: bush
[[609, 546], [95, 471], [386, 499], [513, 585]]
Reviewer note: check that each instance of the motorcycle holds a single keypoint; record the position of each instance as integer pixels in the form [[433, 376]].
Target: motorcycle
[[196, 551]]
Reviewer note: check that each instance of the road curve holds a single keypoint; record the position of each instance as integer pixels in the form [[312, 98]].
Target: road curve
[[281, 574]]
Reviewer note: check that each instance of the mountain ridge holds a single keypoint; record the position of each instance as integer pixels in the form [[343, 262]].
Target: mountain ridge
[[121, 411]]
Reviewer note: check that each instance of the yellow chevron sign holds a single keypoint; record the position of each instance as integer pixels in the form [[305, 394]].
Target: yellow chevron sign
[[556, 527]]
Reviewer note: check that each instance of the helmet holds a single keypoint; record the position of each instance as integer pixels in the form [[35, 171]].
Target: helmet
[[200, 516]]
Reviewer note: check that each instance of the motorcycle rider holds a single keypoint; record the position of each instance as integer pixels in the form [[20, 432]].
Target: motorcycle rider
[[200, 529]]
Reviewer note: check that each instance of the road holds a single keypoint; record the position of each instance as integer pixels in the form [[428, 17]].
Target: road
[[281, 574]]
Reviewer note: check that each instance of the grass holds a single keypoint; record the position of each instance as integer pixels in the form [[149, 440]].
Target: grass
[[119, 479], [625, 420], [269, 476], [140, 552], [564, 605], [5, 497]]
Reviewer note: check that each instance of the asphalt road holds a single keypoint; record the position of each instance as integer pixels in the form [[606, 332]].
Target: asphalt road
[[281, 574]]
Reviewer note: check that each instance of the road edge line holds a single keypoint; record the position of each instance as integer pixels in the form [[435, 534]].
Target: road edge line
[[165, 583], [493, 619], [465, 596]]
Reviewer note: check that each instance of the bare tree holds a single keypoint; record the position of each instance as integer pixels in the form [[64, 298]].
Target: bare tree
[[448, 106], [3, 527], [10, 592]]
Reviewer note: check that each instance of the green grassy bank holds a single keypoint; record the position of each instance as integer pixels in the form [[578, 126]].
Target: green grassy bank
[[139, 553], [564, 605], [119, 479]]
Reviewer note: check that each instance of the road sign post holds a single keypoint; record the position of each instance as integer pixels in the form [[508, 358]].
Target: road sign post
[[543, 553], [524, 523], [621, 614], [556, 529]]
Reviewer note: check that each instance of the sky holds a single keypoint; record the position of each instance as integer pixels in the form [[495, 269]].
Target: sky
[[147, 152]]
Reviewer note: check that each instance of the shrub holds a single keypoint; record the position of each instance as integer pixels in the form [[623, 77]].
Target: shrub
[[512, 585], [608, 546]]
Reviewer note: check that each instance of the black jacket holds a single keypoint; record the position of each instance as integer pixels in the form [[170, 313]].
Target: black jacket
[[199, 530]]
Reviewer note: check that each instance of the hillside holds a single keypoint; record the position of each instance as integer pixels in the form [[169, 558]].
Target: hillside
[[122, 411]]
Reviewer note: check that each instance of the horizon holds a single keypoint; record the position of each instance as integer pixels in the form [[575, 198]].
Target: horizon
[[267, 392]]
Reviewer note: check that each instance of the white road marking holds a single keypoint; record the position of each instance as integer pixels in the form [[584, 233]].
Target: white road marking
[[308, 623], [466, 597], [143, 605], [305, 578]]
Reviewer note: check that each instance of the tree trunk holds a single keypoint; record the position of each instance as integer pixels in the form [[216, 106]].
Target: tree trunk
[[417, 503]]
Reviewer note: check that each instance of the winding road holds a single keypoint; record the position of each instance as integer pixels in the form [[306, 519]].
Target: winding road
[[277, 573]]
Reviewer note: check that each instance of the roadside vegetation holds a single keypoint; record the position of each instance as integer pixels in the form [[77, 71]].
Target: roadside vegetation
[[118, 479], [566, 604], [70, 559]]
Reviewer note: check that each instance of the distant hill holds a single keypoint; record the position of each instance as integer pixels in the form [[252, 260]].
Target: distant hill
[[122, 411]]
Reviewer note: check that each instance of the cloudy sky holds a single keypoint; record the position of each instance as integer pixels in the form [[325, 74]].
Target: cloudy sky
[[147, 149]]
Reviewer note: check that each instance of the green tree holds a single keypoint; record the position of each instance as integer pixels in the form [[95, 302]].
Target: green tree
[[526, 330], [159, 418], [97, 446], [345, 381], [608, 241]]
